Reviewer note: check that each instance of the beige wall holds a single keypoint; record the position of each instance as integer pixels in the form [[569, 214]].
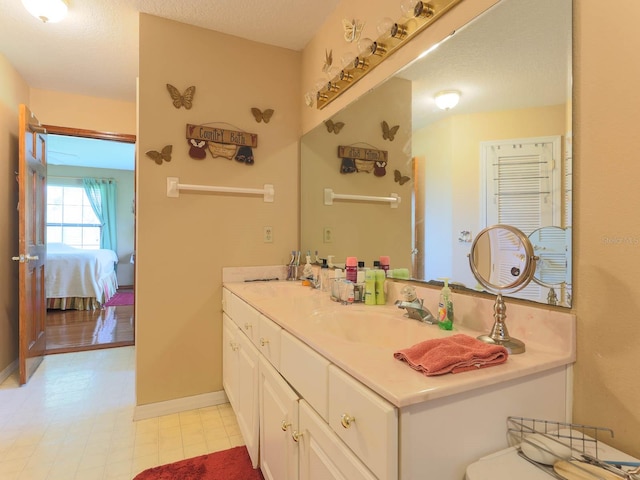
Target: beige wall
[[13, 91], [184, 242], [80, 111], [606, 221]]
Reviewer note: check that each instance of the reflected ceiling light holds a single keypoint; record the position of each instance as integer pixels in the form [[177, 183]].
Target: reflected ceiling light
[[448, 99], [49, 11]]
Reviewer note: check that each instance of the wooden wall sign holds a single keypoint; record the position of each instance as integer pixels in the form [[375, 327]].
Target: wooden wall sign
[[362, 153], [221, 135]]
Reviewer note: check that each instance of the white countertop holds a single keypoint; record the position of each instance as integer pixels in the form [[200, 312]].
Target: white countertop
[[361, 339]]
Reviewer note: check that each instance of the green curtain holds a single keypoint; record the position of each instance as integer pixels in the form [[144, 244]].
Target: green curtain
[[102, 196]]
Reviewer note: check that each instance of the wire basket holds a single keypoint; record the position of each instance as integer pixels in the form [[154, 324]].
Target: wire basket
[[582, 440]]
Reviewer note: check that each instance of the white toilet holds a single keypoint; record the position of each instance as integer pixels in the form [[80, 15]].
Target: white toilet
[[507, 464]]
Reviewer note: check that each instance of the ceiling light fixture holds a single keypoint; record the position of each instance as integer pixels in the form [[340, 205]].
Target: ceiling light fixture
[[49, 11], [448, 99]]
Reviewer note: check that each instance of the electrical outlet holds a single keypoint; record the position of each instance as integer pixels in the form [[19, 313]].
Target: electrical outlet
[[267, 235], [327, 235]]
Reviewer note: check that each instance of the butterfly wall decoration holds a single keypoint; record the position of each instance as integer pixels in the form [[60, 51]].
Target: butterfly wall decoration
[[352, 30], [163, 155], [334, 127], [399, 178], [262, 116], [181, 100], [389, 133]]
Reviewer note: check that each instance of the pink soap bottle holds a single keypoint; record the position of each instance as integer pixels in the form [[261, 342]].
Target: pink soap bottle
[[384, 264], [351, 265]]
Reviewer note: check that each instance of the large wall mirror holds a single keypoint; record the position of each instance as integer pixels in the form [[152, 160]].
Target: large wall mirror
[[502, 155]]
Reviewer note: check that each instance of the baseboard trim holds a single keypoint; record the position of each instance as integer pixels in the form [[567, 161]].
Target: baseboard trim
[[151, 410], [6, 373]]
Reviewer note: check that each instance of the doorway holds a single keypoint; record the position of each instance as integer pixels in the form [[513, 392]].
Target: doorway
[[74, 155]]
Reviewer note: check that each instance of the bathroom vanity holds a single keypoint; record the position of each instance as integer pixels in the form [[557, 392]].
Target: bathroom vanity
[[319, 395]]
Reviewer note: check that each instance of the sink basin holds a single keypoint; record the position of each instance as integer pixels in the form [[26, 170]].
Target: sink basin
[[377, 326]]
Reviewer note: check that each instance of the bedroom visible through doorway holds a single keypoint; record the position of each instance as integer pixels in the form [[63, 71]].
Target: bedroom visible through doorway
[[90, 228]]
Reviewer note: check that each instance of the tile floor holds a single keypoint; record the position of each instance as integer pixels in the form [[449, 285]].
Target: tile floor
[[73, 420]]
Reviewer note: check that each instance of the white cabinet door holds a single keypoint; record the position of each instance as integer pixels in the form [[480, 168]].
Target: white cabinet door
[[278, 421], [230, 348], [247, 396], [323, 456]]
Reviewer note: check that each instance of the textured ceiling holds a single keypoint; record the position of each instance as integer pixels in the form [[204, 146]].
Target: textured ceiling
[[94, 51]]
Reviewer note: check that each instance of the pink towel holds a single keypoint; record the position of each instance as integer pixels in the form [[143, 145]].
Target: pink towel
[[455, 354]]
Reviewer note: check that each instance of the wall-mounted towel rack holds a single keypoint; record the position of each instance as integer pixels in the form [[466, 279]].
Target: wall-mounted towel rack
[[329, 197], [174, 186]]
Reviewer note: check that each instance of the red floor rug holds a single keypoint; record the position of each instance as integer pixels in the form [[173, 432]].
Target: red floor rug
[[232, 464], [120, 299]]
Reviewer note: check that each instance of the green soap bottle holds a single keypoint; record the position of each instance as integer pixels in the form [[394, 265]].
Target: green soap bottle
[[380, 278], [445, 307], [370, 287]]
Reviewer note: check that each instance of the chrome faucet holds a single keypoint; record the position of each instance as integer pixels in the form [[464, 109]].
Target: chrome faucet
[[414, 306], [416, 310]]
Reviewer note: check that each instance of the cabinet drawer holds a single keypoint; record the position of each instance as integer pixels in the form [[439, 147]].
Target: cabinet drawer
[[366, 422], [306, 371], [227, 302], [246, 317], [269, 341]]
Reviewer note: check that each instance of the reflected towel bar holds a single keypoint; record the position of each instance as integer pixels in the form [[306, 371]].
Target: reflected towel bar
[[174, 186], [329, 197]]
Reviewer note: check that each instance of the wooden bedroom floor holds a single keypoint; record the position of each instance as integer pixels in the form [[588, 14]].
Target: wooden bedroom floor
[[79, 330]]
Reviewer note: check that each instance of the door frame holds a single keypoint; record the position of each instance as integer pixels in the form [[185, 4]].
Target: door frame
[[101, 135]]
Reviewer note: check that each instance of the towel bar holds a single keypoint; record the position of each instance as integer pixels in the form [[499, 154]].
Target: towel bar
[[174, 186], [329, 197]]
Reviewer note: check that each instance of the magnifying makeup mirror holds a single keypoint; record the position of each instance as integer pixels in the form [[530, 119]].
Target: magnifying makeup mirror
[[503, 261]]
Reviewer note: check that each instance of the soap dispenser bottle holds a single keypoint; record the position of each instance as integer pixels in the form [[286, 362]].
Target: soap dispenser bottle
[[445, 307]]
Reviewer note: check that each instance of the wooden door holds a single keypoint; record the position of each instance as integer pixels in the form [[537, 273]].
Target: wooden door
[[32, 178]]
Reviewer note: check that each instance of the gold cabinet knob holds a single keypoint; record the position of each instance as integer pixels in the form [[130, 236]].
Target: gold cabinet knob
[[263, 342], [295, 435], [234, 346], [346, 420], [285, 426]]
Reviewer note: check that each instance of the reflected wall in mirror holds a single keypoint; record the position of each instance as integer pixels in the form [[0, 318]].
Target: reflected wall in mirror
[[502, 155]]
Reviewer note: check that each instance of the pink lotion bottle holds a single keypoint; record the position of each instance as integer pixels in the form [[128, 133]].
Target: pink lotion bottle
[[384, 264], [351, 269]]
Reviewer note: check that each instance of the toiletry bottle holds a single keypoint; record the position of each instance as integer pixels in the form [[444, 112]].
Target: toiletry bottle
[[335, 284], [384, 264], [360, 274], [325, 285], [359, 286], [376, 264], [445, 307], [351, 269], [379, 286], [307, 271], [370, 287]]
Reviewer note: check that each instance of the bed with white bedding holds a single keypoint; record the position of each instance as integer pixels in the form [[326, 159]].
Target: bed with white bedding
[[77, 279]]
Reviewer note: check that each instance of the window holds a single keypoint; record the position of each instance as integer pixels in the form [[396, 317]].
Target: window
[[70, 218]]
